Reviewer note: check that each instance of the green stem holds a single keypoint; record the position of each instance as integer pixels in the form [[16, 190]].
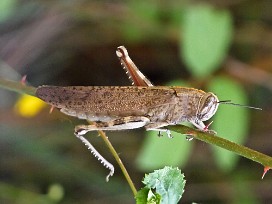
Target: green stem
[[203, 136], [17, 87], [246, 152], [119, 161]]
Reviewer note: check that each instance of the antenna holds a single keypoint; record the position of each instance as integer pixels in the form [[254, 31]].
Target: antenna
[[235, 104]]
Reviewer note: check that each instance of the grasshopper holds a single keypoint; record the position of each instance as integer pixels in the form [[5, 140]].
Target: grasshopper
[[119, 108], [130, 107]]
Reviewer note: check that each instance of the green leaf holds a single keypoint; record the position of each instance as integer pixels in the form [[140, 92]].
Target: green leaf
[[146, 196], [143, 14], [206, 36], [230, 122], [6, 8], [168, 182], [158, 152], [131, 32], [244, 193], [145, 10]]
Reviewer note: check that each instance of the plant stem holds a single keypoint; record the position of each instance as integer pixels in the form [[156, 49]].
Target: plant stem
[[17, 87], [119, 161], [253, 155], [246, 152]]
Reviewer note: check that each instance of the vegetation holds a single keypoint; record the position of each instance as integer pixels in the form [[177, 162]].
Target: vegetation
[[221, 47]]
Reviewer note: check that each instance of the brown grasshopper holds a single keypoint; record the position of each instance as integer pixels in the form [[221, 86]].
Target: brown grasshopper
[[119, 108], [130, 107]]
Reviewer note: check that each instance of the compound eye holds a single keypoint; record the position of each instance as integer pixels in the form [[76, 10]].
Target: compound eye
[[208, 106]]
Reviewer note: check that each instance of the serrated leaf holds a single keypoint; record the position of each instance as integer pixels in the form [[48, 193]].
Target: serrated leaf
[[168, 182], [230, 122], [206, 36]]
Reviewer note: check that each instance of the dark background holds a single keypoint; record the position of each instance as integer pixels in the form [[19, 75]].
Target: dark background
[[73, 43]]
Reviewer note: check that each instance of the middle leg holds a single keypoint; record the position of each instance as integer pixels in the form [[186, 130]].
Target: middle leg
[[125, 123], [159, 127]]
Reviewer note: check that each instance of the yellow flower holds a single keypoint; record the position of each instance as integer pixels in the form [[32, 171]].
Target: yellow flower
[[29, 106]]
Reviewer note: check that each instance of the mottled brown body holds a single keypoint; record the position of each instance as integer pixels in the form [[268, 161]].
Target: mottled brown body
[[171, 104], [159, 106]]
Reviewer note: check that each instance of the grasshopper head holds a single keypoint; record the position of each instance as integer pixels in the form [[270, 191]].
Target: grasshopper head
[[207, 106]]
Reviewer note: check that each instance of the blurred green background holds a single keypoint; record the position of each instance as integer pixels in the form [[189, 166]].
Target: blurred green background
[[220, 46]]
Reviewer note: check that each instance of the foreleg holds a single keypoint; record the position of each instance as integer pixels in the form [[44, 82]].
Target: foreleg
[[201, 126]]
